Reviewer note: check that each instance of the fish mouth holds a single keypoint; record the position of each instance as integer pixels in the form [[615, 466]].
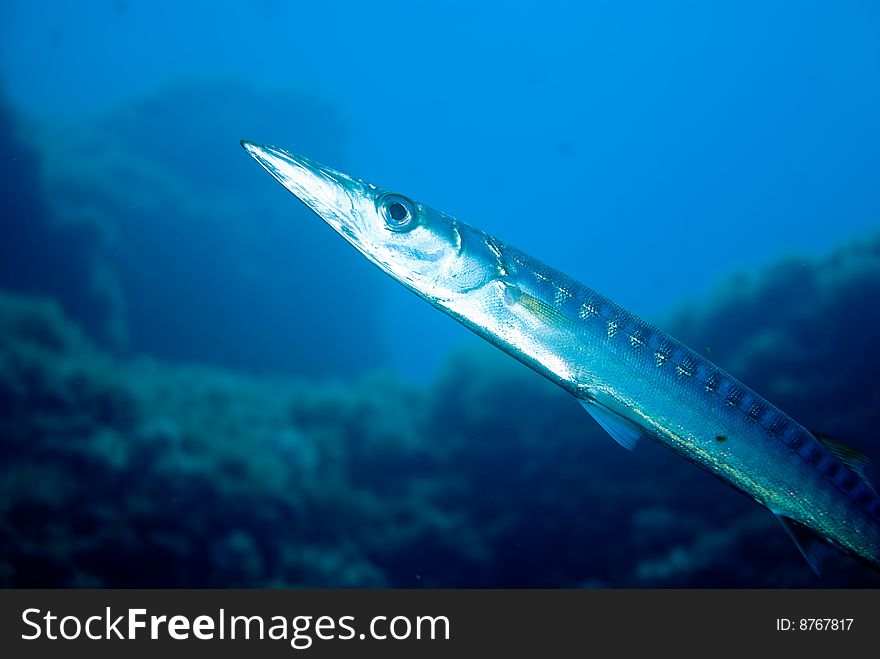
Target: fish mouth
[[322, 189]]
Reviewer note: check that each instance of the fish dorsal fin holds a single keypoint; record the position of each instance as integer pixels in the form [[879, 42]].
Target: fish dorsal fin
[[622, 430], [849, 455], [812, 547]]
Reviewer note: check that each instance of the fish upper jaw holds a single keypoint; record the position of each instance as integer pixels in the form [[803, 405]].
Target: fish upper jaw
[[330, 194]]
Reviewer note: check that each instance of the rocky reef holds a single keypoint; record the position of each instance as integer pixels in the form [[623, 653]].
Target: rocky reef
[[132, 472], [124, 464]]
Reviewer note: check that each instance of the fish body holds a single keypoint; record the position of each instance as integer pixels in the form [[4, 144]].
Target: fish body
[[635, 380]]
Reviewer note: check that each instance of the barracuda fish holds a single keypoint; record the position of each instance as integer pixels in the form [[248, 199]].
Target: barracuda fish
[[634, 379]]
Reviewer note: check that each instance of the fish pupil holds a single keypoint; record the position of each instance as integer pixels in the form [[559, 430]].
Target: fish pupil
[[398, 212]]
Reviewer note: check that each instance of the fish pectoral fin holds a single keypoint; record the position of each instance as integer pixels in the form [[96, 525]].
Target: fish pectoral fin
[[849, 455], [813, 548], [622, 430]]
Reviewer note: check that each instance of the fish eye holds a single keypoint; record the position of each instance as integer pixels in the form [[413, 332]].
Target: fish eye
[[398, 212]]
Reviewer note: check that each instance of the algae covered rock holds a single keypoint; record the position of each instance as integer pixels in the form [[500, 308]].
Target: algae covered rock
[[131, 472]]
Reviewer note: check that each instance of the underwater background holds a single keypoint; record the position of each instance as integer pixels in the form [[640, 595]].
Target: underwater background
[[202, 385]]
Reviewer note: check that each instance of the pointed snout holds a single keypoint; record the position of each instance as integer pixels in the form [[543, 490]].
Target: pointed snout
[[324, 190]]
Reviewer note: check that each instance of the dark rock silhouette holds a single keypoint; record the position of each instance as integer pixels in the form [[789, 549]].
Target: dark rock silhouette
[[134, 473], [158, 235]]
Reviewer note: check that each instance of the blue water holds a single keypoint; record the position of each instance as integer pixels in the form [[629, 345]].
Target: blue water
[[670, 155]]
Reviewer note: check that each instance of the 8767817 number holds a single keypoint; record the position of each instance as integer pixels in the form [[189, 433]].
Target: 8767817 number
[[814, 624]]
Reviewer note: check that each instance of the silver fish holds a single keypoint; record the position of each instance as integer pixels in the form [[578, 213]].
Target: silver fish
[[634, 379]]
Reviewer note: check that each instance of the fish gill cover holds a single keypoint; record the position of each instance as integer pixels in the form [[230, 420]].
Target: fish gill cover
[[124, 470]]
